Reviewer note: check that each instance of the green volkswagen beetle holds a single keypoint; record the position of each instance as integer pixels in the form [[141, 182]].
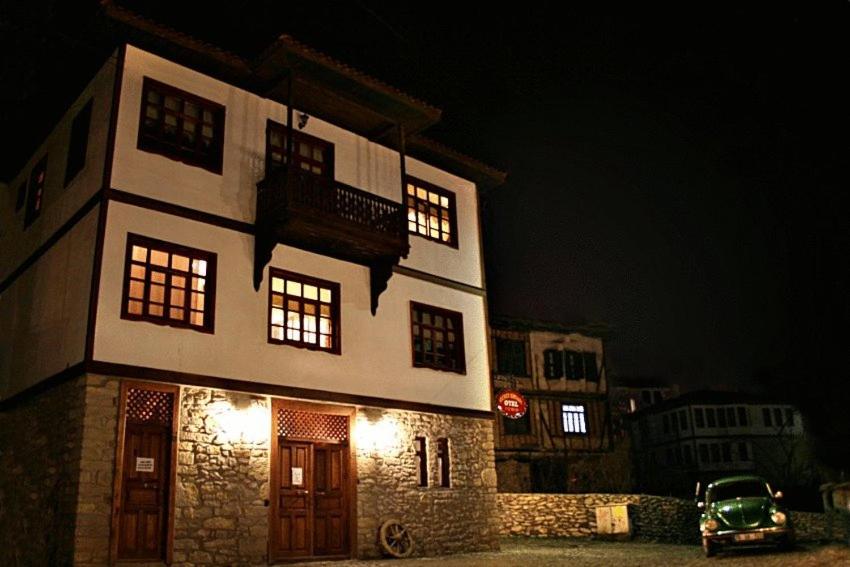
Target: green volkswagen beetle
[[743, 510]]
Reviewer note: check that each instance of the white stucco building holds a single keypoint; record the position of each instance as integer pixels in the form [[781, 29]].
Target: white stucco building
[[258, 341]]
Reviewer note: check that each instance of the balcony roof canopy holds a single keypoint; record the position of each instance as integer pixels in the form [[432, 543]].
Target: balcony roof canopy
[[321, 86]]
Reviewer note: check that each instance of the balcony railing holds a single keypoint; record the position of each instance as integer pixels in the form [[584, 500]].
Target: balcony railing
[[323, 215], [332, 201]]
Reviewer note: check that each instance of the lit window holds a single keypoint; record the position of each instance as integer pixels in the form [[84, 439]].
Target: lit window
[[169, 284], [181, 126], [303, 311], [431, 212], [437, 337], [574, 419]]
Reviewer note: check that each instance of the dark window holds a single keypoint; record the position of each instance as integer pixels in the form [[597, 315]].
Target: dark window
[[689, 458], [35, 197], [444, 461], [668, 455], [721, 417], [303, 311], [777, 417], [665, 423], [591, 371], [521, 426], [421, 451], [698, 416], [703, 453], [431, 212], [715, 453], [709, 416], [765, 414], [437, 336], [730, 416], [22, 196], [743, 452], [573, 365], [169, 284], [553, 364], [308, 152], [789, 417], [727, 452], [78, 143], [181, 126], [683, 420], [510, 357], [574, 419], [657, 396], [646, 396], [674, 422], [742, 416]]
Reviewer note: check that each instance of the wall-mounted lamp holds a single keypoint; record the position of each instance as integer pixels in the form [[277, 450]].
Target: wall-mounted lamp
[[302, 120]]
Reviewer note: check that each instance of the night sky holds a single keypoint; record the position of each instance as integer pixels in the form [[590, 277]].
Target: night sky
[[676, 174]]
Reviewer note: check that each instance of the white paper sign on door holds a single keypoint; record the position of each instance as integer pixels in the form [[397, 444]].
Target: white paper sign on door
[[297, 476], [144, 464]]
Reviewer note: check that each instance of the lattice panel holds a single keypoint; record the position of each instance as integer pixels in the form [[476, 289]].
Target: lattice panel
[[308, 425], [149, 407]]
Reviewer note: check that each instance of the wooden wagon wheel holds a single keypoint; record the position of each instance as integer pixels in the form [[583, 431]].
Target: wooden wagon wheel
[[396, 541]]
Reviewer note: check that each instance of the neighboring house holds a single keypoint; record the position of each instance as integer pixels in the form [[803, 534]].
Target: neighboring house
[[700, 436], [562, 442], [630, 394], [234, 330]]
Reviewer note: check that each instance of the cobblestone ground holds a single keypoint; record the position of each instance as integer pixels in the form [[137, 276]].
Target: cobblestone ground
[[583, 553]]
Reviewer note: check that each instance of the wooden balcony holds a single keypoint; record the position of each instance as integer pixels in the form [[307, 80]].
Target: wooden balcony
[[318, 214]]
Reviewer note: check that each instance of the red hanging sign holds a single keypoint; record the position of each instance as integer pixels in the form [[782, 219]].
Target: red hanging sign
[[511, 403]]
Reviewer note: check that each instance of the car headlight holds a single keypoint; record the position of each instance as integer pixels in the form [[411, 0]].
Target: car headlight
[[778, 518], [711, 524]]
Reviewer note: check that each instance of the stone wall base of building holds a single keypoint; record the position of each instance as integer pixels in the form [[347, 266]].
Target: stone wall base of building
[[57, 475]]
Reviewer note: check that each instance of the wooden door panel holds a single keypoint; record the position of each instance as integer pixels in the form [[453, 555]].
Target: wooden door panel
[[309, 486], [331, 535], [293, 497], [144, 493]]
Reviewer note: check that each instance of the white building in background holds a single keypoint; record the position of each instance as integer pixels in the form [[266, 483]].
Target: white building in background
[[710, 434], [295, 316]]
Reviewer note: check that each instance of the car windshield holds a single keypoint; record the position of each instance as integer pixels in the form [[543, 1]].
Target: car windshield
[[742, 489]]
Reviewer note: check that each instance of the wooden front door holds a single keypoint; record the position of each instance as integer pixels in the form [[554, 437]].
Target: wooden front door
[[145, 476], [310, 491]]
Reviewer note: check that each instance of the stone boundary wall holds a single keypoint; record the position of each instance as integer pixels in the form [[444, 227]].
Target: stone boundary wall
[[656, 518]]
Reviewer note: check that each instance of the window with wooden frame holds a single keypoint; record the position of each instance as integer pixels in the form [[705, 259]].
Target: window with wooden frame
[[35, 196], [304, 311], [570, 364], [181, 126], [574, 419], [437, 338], [169, 284], [21, 198], [309, 153], [78, 144], [510, 357], [420, 449], [444, 462], [431, 212]]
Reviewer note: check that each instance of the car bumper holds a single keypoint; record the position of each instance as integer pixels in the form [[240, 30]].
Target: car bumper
[[756, 536]]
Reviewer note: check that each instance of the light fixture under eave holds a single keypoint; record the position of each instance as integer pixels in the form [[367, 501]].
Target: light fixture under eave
[[302, 120]]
